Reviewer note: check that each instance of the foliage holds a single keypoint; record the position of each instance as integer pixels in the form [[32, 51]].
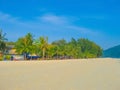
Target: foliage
[[51, 51], [43, 44], [7, 57], [2, 41], [89, 48], [80, 48], [24, 45], [60, 47], [1, 58]]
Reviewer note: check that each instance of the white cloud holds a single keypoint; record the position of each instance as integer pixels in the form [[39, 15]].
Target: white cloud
[[53, 19]]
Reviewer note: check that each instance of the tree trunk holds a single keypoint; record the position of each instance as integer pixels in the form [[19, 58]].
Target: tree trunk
[[43, 54]]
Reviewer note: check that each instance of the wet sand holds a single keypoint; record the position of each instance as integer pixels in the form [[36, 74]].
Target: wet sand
[[84, 74]]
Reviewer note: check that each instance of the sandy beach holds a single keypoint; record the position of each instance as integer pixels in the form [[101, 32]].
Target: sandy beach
[[84, 74]]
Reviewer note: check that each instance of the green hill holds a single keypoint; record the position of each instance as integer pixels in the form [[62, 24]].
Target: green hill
[[113, 52]]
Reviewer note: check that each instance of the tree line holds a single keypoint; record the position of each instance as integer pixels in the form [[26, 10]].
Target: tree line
[[80, 48], [60, 49]]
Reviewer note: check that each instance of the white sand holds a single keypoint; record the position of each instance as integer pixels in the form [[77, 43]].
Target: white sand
[[91, 74]]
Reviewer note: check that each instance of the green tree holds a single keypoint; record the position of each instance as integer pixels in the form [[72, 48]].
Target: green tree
[[51, 51], [24, 45], [80, 48], [61, 47], [37, 49], [89, 49], [43, 45], [2, 41], [75, 48]]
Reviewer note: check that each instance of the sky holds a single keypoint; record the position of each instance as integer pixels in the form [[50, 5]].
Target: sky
[[96, 20]]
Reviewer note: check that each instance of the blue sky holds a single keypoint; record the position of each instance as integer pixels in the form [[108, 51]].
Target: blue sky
[[97, 20]]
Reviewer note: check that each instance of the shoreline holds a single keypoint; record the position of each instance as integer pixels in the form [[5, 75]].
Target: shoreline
[[66, 59]]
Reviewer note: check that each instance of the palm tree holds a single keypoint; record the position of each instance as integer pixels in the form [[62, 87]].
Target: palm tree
[[25, 45], [43, 45], [61, 47], [51, 51]]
